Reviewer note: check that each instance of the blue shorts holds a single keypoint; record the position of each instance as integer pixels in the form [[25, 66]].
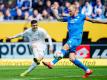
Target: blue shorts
[[73, 43]]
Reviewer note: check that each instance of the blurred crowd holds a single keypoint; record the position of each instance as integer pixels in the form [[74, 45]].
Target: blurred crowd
[[43, 9]]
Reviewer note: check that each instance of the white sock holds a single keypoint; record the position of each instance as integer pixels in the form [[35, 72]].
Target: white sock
[[31, 67], [51, 63], [88, 70]]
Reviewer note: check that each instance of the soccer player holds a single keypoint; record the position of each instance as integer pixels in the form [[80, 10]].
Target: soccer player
[[36, 37], [75, 22]]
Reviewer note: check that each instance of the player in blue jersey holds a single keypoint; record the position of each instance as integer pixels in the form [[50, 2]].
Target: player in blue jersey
[[75, 30]]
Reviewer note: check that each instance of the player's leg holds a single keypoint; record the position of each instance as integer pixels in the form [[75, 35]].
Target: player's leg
[[78, 63], [38, 56], [34, 64], [58, 56], [72, 56]]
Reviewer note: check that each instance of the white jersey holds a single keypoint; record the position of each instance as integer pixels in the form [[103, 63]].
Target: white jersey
[[36, 37]]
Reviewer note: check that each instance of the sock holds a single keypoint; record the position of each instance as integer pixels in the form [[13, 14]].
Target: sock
[[80, 64], [63, 52], [31, 67], [57, 59]]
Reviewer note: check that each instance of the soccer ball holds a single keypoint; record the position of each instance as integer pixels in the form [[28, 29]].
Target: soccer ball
[[58, 54]]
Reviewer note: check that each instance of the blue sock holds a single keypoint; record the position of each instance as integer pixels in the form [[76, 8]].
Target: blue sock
[[57, 59], [80, 64], [63, 52]]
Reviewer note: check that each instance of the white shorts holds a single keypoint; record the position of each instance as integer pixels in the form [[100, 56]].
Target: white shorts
[[38, 50]]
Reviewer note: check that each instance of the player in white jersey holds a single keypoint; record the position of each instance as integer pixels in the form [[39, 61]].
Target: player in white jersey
[[36, 37]]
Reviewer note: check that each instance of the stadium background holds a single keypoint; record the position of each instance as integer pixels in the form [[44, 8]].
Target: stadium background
[[15, 52]]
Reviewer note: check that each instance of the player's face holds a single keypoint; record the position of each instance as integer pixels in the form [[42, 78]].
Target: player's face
[[34, 26], [72, 11]]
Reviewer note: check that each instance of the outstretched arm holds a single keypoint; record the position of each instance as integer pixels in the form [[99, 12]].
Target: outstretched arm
[[56, 15], [18, 35], [95, 21], [63, 18]]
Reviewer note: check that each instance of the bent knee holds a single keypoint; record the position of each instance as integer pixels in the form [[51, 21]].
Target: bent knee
[[36, 61], [66, 47], [72, 59], [72, 56]]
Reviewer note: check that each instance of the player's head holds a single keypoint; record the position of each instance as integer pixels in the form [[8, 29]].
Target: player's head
[[73, 10], [34, 24]]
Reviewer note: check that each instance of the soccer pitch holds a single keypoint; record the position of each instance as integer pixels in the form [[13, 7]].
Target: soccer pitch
[[57, 73]]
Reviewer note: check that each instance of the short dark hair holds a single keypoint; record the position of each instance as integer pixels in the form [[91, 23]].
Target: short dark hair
[[33, 21]]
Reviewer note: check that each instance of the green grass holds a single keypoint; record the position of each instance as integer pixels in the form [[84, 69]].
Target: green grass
[[58, 73]]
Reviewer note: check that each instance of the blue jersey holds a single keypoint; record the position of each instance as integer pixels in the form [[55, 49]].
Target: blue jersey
[[75, 25]]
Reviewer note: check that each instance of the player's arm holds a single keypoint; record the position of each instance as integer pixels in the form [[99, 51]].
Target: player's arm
[[47, 36], [57, 16], [62, 18], [50, 42], [18, 35], [95, 21]]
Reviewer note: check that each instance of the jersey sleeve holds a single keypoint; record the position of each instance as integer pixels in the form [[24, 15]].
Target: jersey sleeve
[[65, 19]]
